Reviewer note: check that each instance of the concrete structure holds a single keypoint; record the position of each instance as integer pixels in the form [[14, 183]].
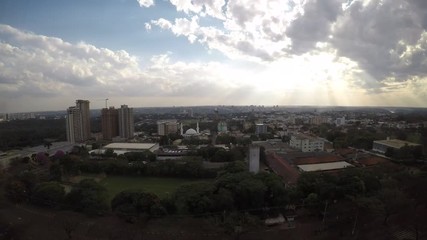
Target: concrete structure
[[78, 122], [260, 128], [121, 148], [306, 143], [254, 152], [109, 123], [165, 127], [381, 146], [126, 122], [324, 166]]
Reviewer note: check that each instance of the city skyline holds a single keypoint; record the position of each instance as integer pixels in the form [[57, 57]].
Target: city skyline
[[152, 53]]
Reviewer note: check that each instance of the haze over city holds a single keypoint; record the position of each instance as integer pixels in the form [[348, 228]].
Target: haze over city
[[164, 53]]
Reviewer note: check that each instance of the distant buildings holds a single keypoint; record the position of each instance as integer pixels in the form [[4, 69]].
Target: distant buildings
[[78, 122], [306, 143], [318, 120], [381, 146], [340, 121], [126, 122], [166, 127]]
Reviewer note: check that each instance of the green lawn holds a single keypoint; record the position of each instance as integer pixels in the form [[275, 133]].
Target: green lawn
[[159, 186]]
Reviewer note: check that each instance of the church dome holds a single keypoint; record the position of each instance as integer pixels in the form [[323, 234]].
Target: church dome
[[190, 132]]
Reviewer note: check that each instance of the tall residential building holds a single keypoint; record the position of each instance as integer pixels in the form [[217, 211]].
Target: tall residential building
[[126, 122], [78, 122], [109, 123]]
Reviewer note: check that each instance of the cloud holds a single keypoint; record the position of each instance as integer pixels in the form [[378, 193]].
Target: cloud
[[146, 3], [386, 39], [38, 66]]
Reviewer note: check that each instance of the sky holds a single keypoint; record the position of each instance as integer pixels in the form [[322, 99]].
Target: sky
[[147, 53]]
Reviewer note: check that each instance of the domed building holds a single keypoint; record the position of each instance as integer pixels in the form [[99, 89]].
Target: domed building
[[190, 132]]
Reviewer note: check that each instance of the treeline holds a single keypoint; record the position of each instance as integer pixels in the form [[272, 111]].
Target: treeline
[[30, 132], [188, 168]]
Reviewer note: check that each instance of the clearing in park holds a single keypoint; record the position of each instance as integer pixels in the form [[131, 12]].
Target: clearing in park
[[162, 187]]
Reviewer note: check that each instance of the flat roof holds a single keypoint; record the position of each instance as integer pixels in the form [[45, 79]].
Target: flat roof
[[395, 143], [324, 166], [137, 146]]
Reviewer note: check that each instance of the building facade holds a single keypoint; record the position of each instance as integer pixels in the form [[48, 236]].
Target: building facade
[[78, 122], [126, 122], [260, 128], [306, 143], [109, 123]]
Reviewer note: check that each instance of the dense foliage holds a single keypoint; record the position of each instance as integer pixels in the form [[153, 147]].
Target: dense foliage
[[31, 132]]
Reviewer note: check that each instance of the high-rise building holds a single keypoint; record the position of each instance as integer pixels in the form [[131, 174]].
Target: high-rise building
[[83, 105], [78, 122], [126, 122], [109, 123]]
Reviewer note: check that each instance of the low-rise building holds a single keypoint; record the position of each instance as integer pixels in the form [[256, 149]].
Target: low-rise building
[[306, 143], [121, 148]]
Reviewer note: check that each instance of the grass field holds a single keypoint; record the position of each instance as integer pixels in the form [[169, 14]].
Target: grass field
[[159, 186]]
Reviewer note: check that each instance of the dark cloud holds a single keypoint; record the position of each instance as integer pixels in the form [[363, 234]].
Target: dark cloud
[[379, 37], [314, 24]]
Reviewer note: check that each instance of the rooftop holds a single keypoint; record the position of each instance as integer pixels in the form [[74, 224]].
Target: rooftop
[[324, 166], [395, 143], [136, 146]]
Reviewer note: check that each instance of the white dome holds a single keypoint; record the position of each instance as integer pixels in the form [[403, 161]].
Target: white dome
[[190, 132]]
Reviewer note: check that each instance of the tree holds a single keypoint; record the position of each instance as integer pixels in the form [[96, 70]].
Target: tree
[[16, 191], [109, 153], [55, 172], [132, 204], [88, 197], [195, 198], [48, 194]]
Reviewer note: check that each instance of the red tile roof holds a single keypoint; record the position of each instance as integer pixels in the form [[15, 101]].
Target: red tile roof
[[318, 159]]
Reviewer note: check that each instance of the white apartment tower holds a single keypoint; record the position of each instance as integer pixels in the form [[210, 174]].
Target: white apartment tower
[[126, 122], [78, 122]]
